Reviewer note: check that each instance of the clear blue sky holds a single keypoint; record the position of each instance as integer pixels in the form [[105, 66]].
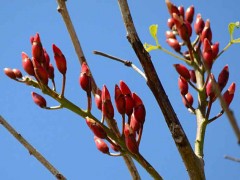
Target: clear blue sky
[[63, 137]]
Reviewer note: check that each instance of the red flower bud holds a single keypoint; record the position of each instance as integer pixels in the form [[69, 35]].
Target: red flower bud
[[107, 107], [223, 77], [98, 99], [170, 23], [37, 49], [139, 110], [170, 34], [128, 98], [59, 59], [188, 101], [229, 94], [115, 147], [96, 128], [31, 39], [41, 73], [50, 71], [207, 54], [27, 64], [183, 86], [85, 79], [183, 29], [210, 91], [47, 59], [189, 14], [173, 43], [206, 32], [199, 24], [134, 123], [193, 76], [172, 8], [215, 49], [39, 100], [120, 100], [182, 71], [181, 11], [9, 72], [17, 73], [101, 145], [130, 140]]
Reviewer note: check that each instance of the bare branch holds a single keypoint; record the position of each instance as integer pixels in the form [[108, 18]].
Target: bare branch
[[31, 149]]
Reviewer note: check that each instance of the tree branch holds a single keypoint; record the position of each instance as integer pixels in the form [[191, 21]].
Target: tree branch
[[62, 9], [193, 165], [31, 149], [125, 62]]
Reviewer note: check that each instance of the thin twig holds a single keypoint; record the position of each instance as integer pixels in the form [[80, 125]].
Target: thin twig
[[62, 9], [232, 158], [125, 62], [31, 149], [216, 117]]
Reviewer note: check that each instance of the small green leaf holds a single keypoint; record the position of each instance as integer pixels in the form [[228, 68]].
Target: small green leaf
[[236, 40], [153, 30], [231, 28], [149, 47]]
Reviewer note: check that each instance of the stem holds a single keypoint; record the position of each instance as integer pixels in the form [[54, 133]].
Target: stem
[[62, 9], [192, 163], [224, 49], [200, 113], [201, 130], [125, 62], [215, 117], [89, 101], [147, 166], [123, 124], [193, 86], [63, 85], [54, 107], [174, 55], [32, 150]]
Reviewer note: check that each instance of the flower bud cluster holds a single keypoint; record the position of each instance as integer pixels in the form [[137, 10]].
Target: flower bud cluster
[[201, 55], [127, 104], [39, 67]]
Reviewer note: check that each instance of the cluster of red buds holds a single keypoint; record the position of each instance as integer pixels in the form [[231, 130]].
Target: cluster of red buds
[[127, 104], [40, 68], [202, 59], [180, 24]]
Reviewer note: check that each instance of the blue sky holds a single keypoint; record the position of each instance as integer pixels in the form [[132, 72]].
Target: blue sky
[[63, 137]]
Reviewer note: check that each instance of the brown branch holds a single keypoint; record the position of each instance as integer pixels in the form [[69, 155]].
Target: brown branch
[[31, 149], [193, 165], [62, 9]]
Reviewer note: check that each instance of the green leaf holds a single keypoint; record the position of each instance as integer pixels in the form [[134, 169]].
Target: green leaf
[[153, 30], [236, 40], [149, 47], [231, 28]]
